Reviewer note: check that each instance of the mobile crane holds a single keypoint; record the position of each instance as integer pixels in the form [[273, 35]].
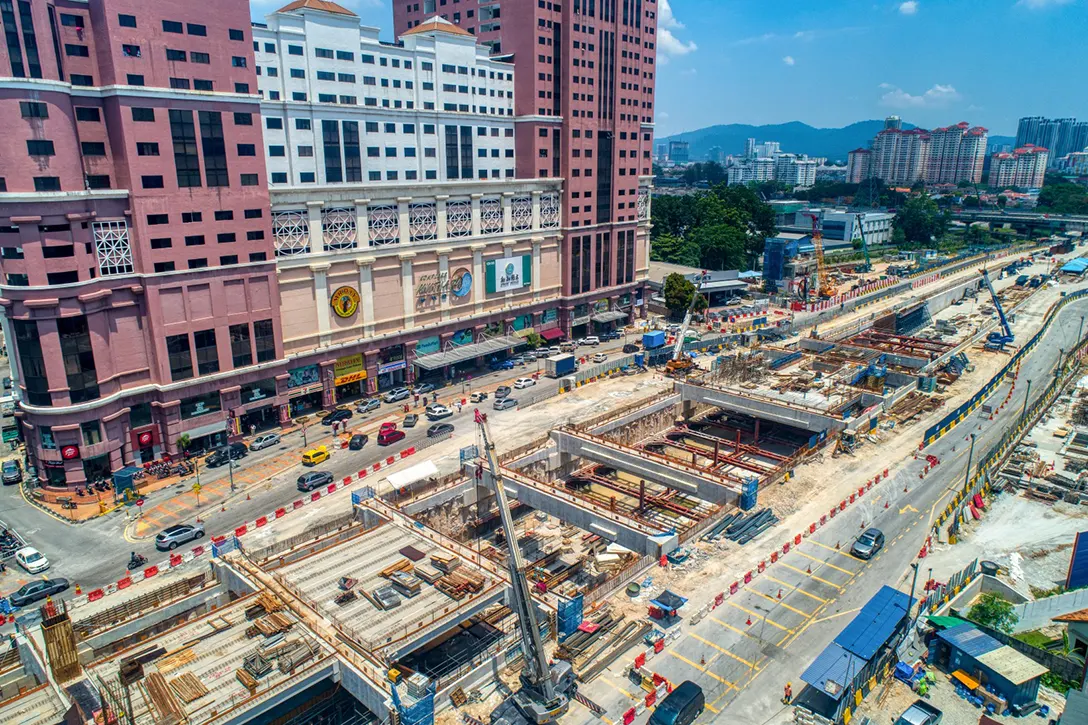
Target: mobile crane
[[997, 340], [546, 689], [868, 266], [679, 361], [823, 284]]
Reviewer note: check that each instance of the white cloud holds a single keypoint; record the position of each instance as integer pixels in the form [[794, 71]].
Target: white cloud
[[910, 7], [665, 18], [689, 72], [667, 42], [788, 59], [936, 97], [1041, 4]]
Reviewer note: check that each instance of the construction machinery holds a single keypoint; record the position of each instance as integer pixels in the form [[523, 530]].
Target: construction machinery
[[823, 283], [681, 363], [997, 340], [546, 689], [868, 266]]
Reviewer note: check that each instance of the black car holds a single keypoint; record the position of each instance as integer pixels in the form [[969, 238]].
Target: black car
[[336, 416], [502, 391], [613, 335], [439, 429], [227, 453], [37, 590], [630, 348], [358, 441], [310, 481]]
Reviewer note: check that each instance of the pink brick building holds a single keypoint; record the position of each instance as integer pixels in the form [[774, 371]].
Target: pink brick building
[[139, 289]]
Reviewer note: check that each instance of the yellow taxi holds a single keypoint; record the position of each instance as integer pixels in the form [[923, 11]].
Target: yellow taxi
[[314, 456]]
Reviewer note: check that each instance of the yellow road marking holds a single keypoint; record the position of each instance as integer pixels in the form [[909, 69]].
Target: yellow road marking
[[619, 689], [702, 669], [839, 614], [725, 652], [791, 589], [779, 603], [825, 563], [750, 613], [735, 629], [812, 576], [832, 548], [906, 508]]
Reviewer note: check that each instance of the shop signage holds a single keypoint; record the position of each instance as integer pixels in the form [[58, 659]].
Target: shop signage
[[345, 301], [461, 283], [392, 366], [200, 405], [259, 390], [146, 438], [349, 369], [312, 388], [69, 453], [461, 337], [303, 376], [509, 274], [428, 345], [440, 284], [551, 315]]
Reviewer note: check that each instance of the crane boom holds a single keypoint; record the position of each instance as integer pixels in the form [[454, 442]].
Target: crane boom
[[678, 348], [864, 244], [994, 338], [823, 283]]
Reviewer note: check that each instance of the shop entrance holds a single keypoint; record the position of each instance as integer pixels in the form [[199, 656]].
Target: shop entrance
[[147, 454], [350, 391], [96, 468], [260, 419], [208, 442], [304, 404]]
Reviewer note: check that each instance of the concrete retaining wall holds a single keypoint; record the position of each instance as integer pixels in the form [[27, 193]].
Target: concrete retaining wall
[[1038, 613]]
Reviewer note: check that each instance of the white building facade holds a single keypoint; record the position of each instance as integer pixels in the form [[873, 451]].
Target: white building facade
[[1023, 167]]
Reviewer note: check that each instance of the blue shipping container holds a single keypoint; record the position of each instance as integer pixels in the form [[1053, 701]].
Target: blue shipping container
[[653, 340], [640, 360]]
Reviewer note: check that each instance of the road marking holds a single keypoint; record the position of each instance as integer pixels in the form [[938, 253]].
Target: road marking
[[735, 629], [702, 669], [720, 649], [792, 588], [780, 603], [832, 548], [839, 614], [906, 508], [824, 563], [750, 613], [812, 576], [621, 690]]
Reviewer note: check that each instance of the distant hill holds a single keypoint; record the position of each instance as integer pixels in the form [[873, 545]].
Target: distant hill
[[795, 137]]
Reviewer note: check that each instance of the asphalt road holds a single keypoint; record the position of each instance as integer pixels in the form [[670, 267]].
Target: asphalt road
[[746, 650]]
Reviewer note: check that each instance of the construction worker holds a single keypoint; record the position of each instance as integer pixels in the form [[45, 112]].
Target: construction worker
[[787, 694]]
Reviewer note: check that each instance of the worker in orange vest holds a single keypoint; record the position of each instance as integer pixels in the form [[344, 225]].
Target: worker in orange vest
[[787, 694]]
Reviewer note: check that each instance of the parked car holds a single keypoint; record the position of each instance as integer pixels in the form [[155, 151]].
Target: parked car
[[555, 350], [175, 536], [920, 713], [591, 341], [630, 348], [7, 383], [358, 441], [396, 395], [221, 456], [36, 591], [365, 406], [438, 412], [524, 383], [868, 544], [504, 403], [600, 357], [31, 559], [387, 426], [265, 440], [439, 429], [497, 365], [337, 416], [609, 336], [11, 472], [389, 437], [424, 388], [502, 391], [477, 397], [410, 420], [680, 707], [317, 454], [313, 479]]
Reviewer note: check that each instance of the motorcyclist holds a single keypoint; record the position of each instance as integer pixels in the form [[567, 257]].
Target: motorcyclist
[[135, 559]]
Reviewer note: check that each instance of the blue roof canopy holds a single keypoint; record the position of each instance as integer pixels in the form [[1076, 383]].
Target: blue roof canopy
[[1076, 266], [832, 670], [969, 639], [875, 623]]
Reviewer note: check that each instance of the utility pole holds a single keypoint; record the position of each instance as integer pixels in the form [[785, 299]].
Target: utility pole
[[967, 473], [913, 582], [1027, 396], [1081, 329]]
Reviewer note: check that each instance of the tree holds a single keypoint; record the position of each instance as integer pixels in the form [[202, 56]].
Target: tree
[[1059, 196], [993, 610], [1002, 201], [183, 442], [921, 220], [675, 250], [678, 292], [971, 202], [533, 340]]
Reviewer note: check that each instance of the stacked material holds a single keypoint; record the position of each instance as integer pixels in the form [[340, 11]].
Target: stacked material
[[384, 598], [427, 573], [188, 687], [418, 684], [405, 584], [163, 700], [445, 562], [459, 584]]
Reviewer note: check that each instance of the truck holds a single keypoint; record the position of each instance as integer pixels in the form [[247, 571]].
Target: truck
[[559, 365], [920, 713], [653, 340]]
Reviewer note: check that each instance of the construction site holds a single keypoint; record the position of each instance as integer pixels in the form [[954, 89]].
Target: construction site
[[415, 597]]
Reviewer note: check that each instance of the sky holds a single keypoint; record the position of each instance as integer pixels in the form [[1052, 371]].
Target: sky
[[830, 63]]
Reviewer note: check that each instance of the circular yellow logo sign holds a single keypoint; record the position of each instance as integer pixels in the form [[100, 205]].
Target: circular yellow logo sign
[[345, 301]]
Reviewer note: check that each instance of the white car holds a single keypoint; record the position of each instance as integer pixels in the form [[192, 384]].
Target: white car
[[438, 412], [600, 357], [524, 383], [592, 341], [265, 440], [31, 559]]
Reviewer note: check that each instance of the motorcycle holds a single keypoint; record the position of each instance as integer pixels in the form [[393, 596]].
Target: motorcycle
[[136, 562]]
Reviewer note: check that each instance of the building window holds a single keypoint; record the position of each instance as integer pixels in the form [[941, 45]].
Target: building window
[[145, 148], [235, 34], [194, 29], [279, 177], [91, 431], [92, 115], [240, 348], [162, 243], [250, 180], [76, 51], [302, 124], [46, 183], [179, 84], [130, 51], [144, 115], [75, 348], [202, 58], [40, 148], [98, 181], [151, 181], [307, 177], [32, 362], [247, 149], [186, 160], [164, 267], [226, 237], [243, 119], [200, 84], [26, 20], [80, 79], [353, 162], [198, 263], [258, 257], [265, 340], [273, 123], [207, 358], [135, 79], [215, 149], [330, 136], [181, 361]]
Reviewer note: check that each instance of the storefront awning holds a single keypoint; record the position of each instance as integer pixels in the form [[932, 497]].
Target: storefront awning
[[610, 316], [439, 360], [553, 333]]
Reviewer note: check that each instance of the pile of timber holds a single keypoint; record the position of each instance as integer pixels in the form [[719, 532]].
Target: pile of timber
[[188, 687], [269, 625], [460, 583], [162, 699]]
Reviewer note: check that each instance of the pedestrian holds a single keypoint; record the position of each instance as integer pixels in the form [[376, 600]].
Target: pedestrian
[[252, 430], [458, 406], [787, 694], [417, 400]]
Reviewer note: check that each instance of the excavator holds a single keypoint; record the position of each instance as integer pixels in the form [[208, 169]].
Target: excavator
[[546, 689], [681, 363], [826, 290]]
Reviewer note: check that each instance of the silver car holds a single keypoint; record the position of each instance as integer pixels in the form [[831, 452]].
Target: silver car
[[265, 440], [175, 536], [504, 403]]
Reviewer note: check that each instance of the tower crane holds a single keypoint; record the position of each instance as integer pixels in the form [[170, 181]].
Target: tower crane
[[680, 362], [546, 689], [823, 284], [997, 340]]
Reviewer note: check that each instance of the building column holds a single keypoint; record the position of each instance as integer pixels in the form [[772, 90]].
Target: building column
[[507, 253], [366, 293], [12, 352], [537, 241], [328, 384], [536, 210], [321, 299], [507, 212], [407, 289], [362, 225], [409, 358], [444, 282], [476, 226], [479, 289], [402, 214], [370, 358], [440, 215], [317, 230]]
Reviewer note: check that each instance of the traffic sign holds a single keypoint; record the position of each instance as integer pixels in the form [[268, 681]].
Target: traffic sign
[[196, 488], [140, 502]]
